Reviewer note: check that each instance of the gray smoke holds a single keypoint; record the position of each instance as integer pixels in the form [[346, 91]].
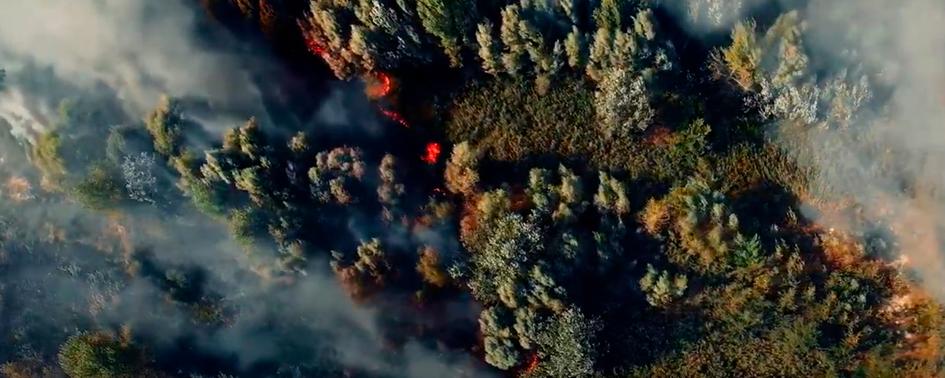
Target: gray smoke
[[138, 49]]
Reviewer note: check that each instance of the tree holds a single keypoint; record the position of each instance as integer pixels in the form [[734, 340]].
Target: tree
[[430, 268], [390, 190], [611, 195], [514, 54], [661, 288], [245, 224], [333, 171], [102, 188], [576, 48], [623, 104], [461, 176], [165, 124], [489, 50], [366, 271], [99, 355], [449, 21], [496, 326], [567, 345], [48, 158], [742, 59]]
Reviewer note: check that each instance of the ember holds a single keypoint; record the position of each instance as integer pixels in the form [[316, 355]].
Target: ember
[[315, 47], [433, 153], [532, 365], [394, 116]]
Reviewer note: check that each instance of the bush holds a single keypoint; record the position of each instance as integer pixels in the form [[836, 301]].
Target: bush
[[99, 355], [102, 188]]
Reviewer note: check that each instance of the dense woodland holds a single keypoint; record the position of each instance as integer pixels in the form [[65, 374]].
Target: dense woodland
[[570, 188]]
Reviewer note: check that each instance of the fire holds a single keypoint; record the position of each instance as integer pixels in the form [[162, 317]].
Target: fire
[[532, 365], [380, 85], [432, 153], [315, 47], [394, 116], [385, 82]]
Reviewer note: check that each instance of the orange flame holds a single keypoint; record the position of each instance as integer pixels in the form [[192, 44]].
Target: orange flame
[[379, 85], [432, 153], [386, 83]]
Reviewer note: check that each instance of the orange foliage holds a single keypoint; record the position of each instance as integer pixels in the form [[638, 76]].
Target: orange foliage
[[19, 189], [430, 268], [660, 136]]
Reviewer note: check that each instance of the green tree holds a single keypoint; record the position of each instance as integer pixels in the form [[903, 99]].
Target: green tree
[[450, 21], [245, 225], [489, 50], [567, 345], [99, 355], [623, 103], [102, 188], [661, 288], [165, 124]]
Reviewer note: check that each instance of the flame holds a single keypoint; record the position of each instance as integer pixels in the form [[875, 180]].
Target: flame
[[432, 153], [531, 366], [394, 116], [380, 85], [386, 83]]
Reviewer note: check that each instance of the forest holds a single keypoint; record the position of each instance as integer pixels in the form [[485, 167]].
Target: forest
[[472, 188]]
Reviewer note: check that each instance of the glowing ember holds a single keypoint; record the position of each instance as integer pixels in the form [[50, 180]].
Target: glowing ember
[[433, 153], [396, 117], [315, 47], [532, 365]]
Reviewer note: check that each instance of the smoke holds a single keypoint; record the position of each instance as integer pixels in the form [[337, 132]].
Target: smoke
[[701, 17], [129, 53], [888, 161], [891, 160], [138, 49]]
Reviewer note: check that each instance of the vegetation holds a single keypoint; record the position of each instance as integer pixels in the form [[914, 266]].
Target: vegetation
[[559, 189]]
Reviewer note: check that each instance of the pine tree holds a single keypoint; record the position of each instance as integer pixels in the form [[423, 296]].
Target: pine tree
[[490, 51], [449, 21]]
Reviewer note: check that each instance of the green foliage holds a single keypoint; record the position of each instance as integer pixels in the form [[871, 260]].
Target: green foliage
[[47, 156], [165, 124], [661, 288], [331, 177], [245, 225], [99, 355], [622, 103], [510, 120], [497, 267], [102, 188], [568, 345], [449, 21]]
